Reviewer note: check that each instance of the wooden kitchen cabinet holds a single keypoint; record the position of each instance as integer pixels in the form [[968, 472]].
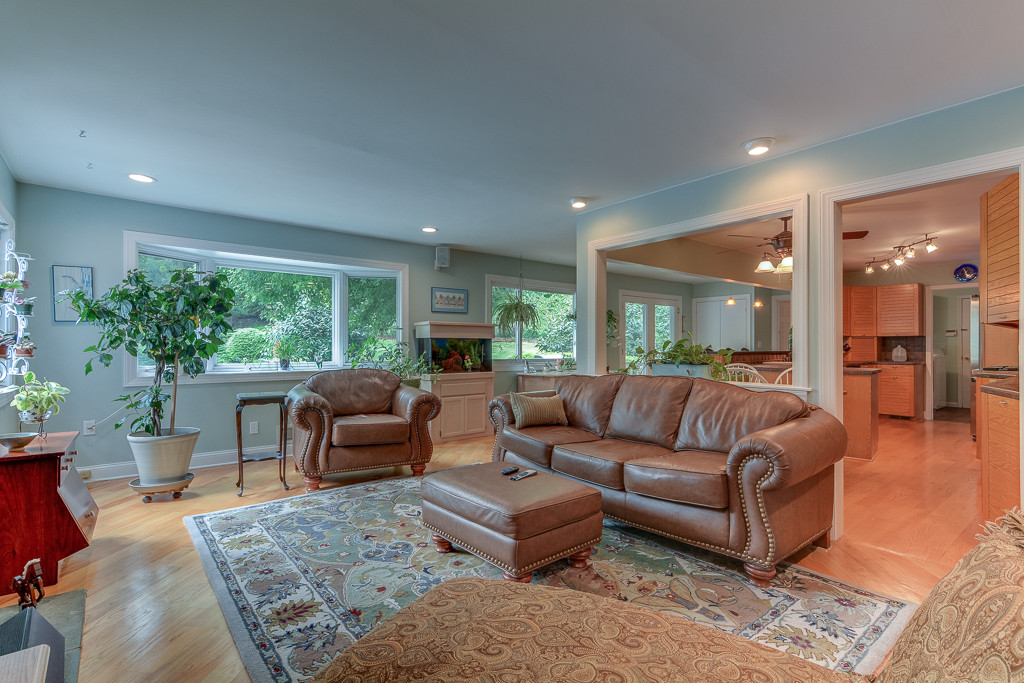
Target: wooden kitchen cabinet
[[999, 272], [901, 390], [847, 310], [900, 310], [48, 512], [999, 447], [862, 312]]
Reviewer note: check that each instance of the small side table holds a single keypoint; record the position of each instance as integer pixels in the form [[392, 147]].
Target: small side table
[[259, 398]]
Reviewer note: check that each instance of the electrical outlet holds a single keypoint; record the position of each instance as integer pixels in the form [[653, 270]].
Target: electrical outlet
[[86, 475], [254, 427], [89, 428]]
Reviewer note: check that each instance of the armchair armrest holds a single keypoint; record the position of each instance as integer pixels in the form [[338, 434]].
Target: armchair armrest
[[790, 452], [312, 419], [418, 407]]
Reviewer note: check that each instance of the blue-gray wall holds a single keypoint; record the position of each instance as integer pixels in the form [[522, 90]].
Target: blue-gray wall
[[983, 126], [73, 228], [8, 192]]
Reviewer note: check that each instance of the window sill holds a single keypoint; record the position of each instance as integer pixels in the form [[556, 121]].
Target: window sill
[[229, 377]]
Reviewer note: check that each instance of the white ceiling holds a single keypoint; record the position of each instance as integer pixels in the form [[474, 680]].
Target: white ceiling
[[479, 117]]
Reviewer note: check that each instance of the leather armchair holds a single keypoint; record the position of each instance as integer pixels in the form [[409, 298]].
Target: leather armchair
[[359, 419]]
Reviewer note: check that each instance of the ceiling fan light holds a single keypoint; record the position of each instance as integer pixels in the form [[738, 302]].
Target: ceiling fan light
[[758, 146], [785, 265], [930, 247], [765, 266]]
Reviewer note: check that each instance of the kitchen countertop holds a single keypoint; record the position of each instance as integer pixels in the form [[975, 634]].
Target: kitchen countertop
[[1007, 388], [862, 371], [859, 363], [994, 374]]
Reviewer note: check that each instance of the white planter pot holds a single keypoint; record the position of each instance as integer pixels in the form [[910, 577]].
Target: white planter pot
[[163, 459], [684, 369]]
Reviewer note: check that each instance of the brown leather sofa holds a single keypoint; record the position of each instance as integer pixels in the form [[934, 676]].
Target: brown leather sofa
[[359, 419], [743, 473]]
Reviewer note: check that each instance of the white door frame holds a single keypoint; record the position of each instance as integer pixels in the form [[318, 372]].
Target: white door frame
[[648, 298], [964, 389], [828, 310], [929, 345]]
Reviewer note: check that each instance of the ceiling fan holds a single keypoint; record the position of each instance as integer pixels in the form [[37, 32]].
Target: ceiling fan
[[782, 242]]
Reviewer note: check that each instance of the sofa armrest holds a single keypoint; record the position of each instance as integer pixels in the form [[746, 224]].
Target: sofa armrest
[[312, 419], [790, 452], [499, 410], [418, 407]]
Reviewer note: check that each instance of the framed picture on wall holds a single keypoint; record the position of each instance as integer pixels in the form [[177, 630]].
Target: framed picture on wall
[[68, 279], [444, 300]]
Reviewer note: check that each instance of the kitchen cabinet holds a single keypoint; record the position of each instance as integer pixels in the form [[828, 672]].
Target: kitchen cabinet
[[999, 447], [847, 310], [862, 312], [862, 349], [860, 412], [48, 512], [900, 310], [999, 272], [901, 390]]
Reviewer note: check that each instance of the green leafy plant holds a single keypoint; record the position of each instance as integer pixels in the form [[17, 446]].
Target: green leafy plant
[[178, 326], [39, 396], [510, 310], [284, 349], [392, 356], [683, 350], [9, 280]]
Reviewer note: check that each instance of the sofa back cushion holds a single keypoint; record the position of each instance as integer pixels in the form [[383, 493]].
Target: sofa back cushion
[[971, 625], [718, 414], [588, 400], [648, 409], [352, 392]]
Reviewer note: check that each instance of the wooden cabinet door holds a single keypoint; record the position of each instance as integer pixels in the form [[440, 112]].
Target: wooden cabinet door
[[999, 443], [901, 310], [847, 311], [862, 311], [1000, 253]]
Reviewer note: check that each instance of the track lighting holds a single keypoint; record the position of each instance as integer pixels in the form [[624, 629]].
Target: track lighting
[[885, 265], [930, 247], [869, 269], [910, 253], [902, 252], [898, 261]]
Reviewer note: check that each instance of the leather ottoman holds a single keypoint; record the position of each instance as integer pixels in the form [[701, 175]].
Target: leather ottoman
[[517, 526]]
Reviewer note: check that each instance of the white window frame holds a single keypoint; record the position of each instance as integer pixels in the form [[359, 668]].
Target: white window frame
[[492, 281], [253, 258], [650, 300]]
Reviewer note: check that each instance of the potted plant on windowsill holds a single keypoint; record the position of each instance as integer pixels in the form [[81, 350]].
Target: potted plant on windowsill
[[284, 350], [682, 357], [177, 326], [394, 357]]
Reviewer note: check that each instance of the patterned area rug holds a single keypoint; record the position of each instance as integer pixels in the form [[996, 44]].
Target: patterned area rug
[[300, 579]]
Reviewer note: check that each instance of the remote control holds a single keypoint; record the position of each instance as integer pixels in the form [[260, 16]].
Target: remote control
[[509, 470], [522, 475]]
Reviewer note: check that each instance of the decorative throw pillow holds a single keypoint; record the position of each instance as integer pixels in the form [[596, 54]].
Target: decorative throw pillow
[[537, 410]]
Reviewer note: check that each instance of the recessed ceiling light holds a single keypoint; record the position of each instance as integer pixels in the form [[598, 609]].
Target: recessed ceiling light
[[758, 146], [578, 202], [141, 178], [428, 228]]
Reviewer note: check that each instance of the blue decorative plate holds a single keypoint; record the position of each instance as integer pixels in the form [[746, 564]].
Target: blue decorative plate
[[966, 272]]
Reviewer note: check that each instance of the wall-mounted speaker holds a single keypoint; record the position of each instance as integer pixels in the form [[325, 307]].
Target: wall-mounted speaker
[[442, 257]]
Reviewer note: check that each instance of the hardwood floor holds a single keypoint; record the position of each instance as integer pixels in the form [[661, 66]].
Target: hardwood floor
[[152, 616]]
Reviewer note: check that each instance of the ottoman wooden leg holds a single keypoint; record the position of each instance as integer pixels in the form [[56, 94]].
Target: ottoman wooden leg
[[525, 578], [443, 544], [580, 560]]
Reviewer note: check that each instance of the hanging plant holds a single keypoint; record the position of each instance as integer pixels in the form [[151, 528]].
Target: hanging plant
[[510, 310]]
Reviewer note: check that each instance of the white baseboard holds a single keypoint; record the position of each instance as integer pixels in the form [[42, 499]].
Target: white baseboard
[[127, 470]]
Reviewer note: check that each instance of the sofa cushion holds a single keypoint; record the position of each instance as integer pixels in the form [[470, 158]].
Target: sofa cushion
[[648, 409], [353, 392], [693, 477], [971, 625], [537, 410], [718, 414], [600, 462], [588, 400], [535, 443], [364, 430]]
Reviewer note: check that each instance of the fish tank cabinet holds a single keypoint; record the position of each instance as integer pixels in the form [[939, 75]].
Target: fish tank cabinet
[[464, 393], [456, 347]]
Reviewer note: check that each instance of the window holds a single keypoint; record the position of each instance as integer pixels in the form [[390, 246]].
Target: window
[[648, 320], [554, 337], [292, 311]]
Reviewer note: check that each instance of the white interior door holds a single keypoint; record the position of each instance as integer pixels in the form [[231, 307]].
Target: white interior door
[[781, 323]]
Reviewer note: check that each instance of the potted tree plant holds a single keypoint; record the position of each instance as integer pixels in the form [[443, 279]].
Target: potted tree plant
[[175, 326]]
